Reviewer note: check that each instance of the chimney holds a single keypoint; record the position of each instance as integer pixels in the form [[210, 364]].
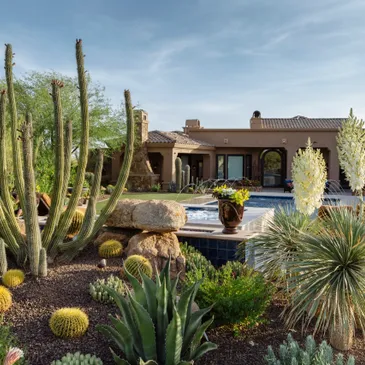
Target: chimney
[[142, 125], [255, 121], [191, 124]]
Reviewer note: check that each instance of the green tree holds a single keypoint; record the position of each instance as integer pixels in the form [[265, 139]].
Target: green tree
[[107, 123]]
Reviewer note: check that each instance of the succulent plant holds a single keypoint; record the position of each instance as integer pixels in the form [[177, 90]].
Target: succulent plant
[[5, 299], [110, 248], [69, 322], [13, 278], [109, 189], [76, 223], [290, 353], [178, 167], [100, 294], [43, 266], [3, 258], [78, 359], [155, 327], [136, 263]]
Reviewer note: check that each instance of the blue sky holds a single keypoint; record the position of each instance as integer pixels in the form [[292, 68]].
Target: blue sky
[[216, 60]]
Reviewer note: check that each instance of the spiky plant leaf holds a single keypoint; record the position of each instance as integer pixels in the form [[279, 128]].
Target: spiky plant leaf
[[150, 292], [138, 293], [162, 319], [118, 360], [203, 349], [146, 330], [330, 273], [173, 340], [198, 337]]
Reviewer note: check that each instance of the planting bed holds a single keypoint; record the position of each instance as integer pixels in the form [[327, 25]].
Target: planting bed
[[67, 286]]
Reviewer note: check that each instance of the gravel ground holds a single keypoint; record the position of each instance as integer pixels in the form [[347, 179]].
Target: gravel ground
[[67, 286]]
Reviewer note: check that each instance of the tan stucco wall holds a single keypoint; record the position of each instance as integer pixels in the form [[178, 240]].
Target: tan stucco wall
[[238, 140]]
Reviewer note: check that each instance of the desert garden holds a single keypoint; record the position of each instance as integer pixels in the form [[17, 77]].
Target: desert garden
[[109, 282]]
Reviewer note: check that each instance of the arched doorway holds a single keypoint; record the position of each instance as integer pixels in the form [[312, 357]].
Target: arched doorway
[[272, 167]]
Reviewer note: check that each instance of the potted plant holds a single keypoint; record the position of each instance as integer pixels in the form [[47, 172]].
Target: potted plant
[[231, 206]]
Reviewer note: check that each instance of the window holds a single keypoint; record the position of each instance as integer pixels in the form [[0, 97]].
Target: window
[[235, 167], [221, 166]]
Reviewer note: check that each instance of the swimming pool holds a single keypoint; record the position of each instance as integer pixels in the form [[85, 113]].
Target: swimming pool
[[210, 212]]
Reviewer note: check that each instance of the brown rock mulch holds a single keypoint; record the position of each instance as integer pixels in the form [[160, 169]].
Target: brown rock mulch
[[65, 286]]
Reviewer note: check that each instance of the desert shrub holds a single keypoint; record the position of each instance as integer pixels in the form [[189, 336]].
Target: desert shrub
[[239, 294], [7, 341], [69, 322], [13, 278], [156, 188], [100, 294], [291, 353], [78, 358]]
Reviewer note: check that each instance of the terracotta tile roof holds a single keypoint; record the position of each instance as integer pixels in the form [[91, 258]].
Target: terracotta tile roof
[[174, 137], [300, 122]]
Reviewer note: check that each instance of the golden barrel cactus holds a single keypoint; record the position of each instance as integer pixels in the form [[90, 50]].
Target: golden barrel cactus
[[5, 299], [13, 278], [136, 263], [69, 322], [111, 248], [76, 223]]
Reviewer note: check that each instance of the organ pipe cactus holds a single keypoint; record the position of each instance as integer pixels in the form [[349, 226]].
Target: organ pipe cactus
[[3, 258], [187, 177], [38, 248], [155, 327], [178, 167]]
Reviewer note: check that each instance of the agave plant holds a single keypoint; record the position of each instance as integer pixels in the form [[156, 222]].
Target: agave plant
[[328, 282], [275, 247], [155, 327]]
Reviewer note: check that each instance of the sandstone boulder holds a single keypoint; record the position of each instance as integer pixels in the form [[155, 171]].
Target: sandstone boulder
[[151, 215], [158, 247], [118, 234]]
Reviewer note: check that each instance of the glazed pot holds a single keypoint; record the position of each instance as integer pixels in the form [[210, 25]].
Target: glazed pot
[[230, 215]]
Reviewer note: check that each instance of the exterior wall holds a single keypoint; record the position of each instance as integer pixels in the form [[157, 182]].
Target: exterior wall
[[242, 140]]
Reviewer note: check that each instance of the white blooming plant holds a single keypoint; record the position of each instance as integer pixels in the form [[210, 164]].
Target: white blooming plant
[[351, 152], [309, 178]]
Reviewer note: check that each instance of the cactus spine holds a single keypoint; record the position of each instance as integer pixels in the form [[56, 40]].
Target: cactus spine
[[69, 322], [13, 278], [5, 299], [136, 263], [57, 198], [31, 222], [178, 167], [3, 258], [43, 267], [187, 177]]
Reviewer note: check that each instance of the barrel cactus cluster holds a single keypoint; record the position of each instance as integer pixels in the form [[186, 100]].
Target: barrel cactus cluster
[[136, 264], [60, 223], [110, 248], [69, 322], [13, 278], [98, 289], [5, 299], [78, 359]]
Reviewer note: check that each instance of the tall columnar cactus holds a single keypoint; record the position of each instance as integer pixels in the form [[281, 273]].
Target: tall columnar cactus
[[187, 176], [178, 167], [42, 248], [31, 212], [3, 258], [182, 180]]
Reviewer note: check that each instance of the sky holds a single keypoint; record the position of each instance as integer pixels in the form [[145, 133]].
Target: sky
[[214, 60]]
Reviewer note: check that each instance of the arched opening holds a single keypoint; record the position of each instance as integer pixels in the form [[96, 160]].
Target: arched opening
[[272, 167]]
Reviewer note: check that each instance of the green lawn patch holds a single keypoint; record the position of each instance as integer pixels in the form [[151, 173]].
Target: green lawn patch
[[150, 196]]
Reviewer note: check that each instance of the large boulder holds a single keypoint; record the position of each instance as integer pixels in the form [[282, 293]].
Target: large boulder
[[150, 215], [158, 247]]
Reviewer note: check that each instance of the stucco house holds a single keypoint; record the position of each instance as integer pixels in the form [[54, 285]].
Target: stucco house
[[262, 152]]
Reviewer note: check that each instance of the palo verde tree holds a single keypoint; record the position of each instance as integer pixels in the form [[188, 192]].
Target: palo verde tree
[[51, 240]]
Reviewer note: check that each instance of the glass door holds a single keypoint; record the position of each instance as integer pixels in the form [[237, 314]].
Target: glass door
[[235, 167]]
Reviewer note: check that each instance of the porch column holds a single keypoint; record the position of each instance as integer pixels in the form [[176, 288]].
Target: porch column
[[333, 165], [290, 153], [208, 166], [168, 168]]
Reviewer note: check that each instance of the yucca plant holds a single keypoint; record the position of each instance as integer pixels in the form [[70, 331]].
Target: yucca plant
[[328, 281], [277, 246], [155, 327]]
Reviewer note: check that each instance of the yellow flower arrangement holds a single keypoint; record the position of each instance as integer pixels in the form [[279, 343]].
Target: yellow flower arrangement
[[235, 196]]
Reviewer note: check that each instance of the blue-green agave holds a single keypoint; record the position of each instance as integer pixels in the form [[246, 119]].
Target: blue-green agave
[[155, 328]]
